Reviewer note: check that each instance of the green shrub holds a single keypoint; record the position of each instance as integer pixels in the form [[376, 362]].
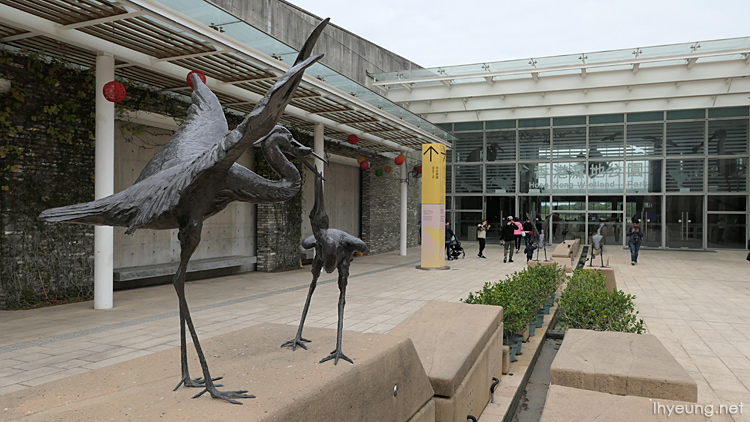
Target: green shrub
[[521, 295], [586, 304]]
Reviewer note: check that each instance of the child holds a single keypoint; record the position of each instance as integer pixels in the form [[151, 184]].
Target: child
[[530, 248]]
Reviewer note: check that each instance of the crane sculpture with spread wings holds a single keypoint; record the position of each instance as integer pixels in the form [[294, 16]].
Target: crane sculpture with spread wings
[[196, 175]]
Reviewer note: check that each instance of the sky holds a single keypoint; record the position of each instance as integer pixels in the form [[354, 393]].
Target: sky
[[445, 33]]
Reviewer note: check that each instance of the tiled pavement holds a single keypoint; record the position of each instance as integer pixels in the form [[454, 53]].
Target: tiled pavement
[[697, 303]]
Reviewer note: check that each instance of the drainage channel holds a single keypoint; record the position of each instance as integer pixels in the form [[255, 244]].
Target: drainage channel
[[530, 404]]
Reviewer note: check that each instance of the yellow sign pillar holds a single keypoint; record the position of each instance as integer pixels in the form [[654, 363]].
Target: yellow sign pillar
[[433, 206]]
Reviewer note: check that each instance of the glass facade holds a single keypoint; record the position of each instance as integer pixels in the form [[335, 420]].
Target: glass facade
[[684, 173]]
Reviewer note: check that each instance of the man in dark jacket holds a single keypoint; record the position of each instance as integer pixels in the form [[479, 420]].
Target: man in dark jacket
[[528, 230], [507, 238]]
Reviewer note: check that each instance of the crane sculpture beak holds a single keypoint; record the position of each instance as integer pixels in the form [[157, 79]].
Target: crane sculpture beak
[[312, 167]]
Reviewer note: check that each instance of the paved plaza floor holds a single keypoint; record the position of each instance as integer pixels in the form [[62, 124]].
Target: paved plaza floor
[[696, 303]]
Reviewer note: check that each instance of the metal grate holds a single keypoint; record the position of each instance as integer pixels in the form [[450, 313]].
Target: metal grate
[[56, 48], [147, 36], [66, 12], [348, 117], [225, 67], [9, 31], [139, 74], [319, 105]]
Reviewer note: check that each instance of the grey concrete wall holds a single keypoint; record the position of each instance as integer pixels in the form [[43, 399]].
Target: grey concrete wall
[[344, 51], [230, 232]]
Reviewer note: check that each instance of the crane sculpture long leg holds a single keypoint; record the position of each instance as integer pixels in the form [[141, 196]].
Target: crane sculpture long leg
[[299, 340], [343, 279], [190, 237]]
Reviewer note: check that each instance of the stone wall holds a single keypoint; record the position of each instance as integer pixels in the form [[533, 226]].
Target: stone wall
[[381, 207]]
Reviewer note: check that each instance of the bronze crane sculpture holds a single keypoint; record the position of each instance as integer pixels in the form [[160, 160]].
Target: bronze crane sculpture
[[334, 249], [196, 175]]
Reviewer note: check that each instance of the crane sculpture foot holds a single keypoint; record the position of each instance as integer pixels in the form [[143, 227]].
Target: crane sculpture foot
[[297, 341], [336, 355], [225, 395], [195, 382]]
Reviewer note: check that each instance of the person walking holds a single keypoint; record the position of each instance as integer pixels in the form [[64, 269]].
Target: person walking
[[528, 231], [635, 235], [482, 237], [507, 238], [529, 250], [518, 233], [449, 236]]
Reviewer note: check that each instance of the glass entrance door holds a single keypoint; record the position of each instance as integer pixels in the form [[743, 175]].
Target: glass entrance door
[[648, 210], [684, 222], [726, 231]]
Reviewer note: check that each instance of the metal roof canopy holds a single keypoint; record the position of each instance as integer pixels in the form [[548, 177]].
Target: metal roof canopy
[[155, 45], [678, 76]]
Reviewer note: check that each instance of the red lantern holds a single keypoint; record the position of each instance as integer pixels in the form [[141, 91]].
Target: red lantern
[[114, 91], [364, 165], [352, 139], [399, 160], [419, 169], [190, 77]]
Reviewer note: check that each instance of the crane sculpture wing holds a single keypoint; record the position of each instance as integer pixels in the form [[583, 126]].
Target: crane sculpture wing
[[201, 149]]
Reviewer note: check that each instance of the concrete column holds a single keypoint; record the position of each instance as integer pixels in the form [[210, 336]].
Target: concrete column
[[318, 147], [104, 182], [404, 200]]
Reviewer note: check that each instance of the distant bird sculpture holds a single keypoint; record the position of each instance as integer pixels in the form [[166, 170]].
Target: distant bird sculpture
[[195, 176], [543, 240], [334, 249], [597, 245]]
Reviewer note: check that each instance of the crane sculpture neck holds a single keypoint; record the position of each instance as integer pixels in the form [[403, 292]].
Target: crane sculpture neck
[[290, 181]]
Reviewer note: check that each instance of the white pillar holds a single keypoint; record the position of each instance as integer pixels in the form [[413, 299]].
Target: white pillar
[[404, 200], [104, 182], [318, 146]]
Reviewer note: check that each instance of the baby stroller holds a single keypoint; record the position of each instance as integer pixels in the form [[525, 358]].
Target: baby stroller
[[456, 249]]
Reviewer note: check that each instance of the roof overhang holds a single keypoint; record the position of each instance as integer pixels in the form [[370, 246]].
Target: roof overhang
[[156, 45], [680, 76]]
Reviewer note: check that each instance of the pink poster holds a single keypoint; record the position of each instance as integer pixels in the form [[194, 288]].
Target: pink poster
[[433, 235]]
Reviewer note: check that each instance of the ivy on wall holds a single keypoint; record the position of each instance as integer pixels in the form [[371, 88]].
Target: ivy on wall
[[47, 121], [46, 160]]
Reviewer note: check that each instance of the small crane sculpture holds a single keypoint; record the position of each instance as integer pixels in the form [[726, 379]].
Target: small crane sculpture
[[334, 249], [597, 245], [196, 175]]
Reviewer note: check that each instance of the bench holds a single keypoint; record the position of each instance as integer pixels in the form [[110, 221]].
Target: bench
[[573, 404], [160, 270], [621, 364], [460, 346]]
